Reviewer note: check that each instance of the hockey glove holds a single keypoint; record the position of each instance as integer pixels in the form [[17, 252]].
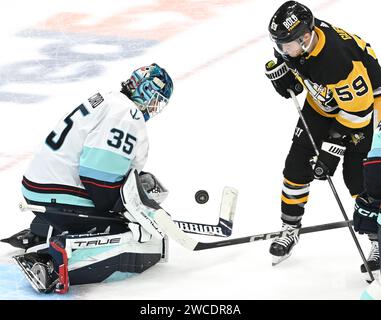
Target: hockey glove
[[139, 207], [366, 214], [329, 158], [282, 78], [153, 187]]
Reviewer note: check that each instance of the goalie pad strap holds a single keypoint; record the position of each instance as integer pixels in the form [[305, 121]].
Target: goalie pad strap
[[61, 265]]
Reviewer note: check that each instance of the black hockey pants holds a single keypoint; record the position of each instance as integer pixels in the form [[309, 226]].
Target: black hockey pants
[[298, 172]]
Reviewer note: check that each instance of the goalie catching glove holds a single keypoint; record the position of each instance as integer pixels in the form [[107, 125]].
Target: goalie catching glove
[[137, 191], [140, 207], [153, 187]]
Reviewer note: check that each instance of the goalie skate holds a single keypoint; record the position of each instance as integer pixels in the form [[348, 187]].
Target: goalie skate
[[38, 270]]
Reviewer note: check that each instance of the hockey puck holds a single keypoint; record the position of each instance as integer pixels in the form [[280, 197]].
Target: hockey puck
[[201, 196]]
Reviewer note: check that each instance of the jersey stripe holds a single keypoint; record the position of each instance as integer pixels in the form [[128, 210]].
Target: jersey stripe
[[103, 165], [352, 121], [100, 175], [54, 188], [56, 198], [100, 184]]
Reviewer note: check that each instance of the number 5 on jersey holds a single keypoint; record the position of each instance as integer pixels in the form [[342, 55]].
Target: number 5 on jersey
[[50, 140]]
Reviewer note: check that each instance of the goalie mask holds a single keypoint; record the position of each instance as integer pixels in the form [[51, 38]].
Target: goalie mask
[[150, 88]]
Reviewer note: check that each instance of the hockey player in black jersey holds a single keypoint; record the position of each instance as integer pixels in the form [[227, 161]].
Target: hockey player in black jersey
[[342, 76]]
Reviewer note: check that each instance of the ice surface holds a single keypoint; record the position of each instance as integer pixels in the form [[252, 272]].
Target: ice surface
[[224, 126]]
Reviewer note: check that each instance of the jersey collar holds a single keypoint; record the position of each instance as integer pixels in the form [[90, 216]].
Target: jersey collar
[[320, 44]]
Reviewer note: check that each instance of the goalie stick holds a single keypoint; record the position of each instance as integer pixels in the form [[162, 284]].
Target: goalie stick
[[164, 224], [222, 229], [172, 230], [168, 226], [225, 220]]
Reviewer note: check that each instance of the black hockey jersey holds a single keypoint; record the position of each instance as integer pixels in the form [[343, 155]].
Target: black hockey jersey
[[342, 76]]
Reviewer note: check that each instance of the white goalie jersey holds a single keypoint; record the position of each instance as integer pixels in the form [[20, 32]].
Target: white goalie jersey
[[84, 160]]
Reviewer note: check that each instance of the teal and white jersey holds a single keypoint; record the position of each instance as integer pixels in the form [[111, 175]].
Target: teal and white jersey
[[88, 152], [375, 150], [372, 168]]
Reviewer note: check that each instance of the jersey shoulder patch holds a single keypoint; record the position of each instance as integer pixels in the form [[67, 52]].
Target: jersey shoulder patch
[[96, 100]]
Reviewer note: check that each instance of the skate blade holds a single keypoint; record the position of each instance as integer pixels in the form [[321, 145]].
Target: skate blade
[[277, 260], [33, 280]]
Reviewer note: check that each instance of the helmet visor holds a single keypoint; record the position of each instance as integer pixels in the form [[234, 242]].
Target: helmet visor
[[294, 48]]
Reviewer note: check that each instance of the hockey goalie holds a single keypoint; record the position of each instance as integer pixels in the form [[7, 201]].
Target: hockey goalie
[[71, 259], [82, 231]]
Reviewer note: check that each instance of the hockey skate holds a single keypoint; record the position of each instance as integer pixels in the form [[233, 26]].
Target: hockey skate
[[373, 262], [39, 271], [281, 247], [24, 239]]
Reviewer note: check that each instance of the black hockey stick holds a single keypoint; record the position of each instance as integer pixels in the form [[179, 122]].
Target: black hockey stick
[[272, 235], [23, 206], [332, 186], [169, 227]]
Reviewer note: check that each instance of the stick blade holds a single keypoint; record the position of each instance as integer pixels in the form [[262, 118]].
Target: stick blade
[[227, 210], [170, 228]]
